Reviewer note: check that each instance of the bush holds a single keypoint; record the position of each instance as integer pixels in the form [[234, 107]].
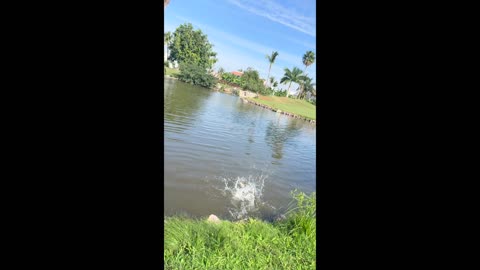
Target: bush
[[281, 93], [191, 73], [251, 81], [228, 77], [266, 91]]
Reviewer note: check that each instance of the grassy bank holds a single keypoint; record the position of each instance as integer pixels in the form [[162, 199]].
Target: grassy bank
[[252, 244], [171, 71], [296, 106]]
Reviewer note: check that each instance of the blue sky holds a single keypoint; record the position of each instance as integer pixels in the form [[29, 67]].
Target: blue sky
[[243, 32]]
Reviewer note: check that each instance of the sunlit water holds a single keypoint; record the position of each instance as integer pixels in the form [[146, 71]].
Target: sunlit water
[[230, 158]]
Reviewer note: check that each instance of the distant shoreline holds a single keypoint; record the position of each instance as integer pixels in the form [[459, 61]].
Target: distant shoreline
[[165, 76], [249, 100]]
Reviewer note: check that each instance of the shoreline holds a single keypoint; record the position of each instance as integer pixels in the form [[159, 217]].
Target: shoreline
[[227, 90], [247, 244], [311, 121], [169, 77]]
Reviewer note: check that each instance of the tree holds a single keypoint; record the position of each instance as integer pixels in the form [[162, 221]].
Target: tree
[[272, 84], [193, 47], [308, 59], [193, 74], [221, 71], [306, 86], [294, 75], [167, 39], [271, 58], [251, 80]]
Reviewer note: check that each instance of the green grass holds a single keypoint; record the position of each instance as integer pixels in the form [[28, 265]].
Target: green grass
[[252, 244], [296, 106], [171, 71]]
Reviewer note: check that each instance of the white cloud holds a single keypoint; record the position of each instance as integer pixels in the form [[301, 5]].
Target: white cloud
[[215, 35], [279, 14]]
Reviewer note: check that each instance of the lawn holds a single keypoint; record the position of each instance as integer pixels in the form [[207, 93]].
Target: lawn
[[295, 106], [171, 71], [252, 244]]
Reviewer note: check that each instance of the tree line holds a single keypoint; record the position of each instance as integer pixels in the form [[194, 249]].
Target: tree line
[[195, 55], [295, 75]]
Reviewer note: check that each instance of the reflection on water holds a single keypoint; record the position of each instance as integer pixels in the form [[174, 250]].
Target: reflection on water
[[276, 135], [179, 106], [212, 138]]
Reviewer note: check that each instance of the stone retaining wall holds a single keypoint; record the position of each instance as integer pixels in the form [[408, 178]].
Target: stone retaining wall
[[279, 111], [246, 94]]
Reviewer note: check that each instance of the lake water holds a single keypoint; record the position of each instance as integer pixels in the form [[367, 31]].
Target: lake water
[[230, 158]]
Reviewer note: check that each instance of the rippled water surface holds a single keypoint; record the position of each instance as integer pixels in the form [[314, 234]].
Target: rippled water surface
[[230, 158]]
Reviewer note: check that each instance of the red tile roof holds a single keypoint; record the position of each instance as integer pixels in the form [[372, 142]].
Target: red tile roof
[[237, 73]]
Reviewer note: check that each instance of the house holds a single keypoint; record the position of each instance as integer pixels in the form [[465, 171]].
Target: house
[[237, 73]]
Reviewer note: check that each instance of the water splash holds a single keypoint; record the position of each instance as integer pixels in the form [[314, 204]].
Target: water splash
[[245, 194]]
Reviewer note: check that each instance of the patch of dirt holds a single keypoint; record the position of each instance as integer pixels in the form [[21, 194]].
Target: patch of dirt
[[266, 98], [283, 100]]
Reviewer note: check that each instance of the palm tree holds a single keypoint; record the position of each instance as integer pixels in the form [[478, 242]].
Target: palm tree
[[308, 59], [271, 59], [275, 84], [272, 80], [306, 86], [294, 75], [167, 39]]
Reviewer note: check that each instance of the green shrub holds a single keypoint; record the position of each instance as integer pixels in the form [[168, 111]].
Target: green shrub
[[281, 93], [266, 91], [251, 81], [229, 77], [191, 73]]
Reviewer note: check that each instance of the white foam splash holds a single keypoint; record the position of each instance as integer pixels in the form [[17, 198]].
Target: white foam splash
[[245, 194]]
